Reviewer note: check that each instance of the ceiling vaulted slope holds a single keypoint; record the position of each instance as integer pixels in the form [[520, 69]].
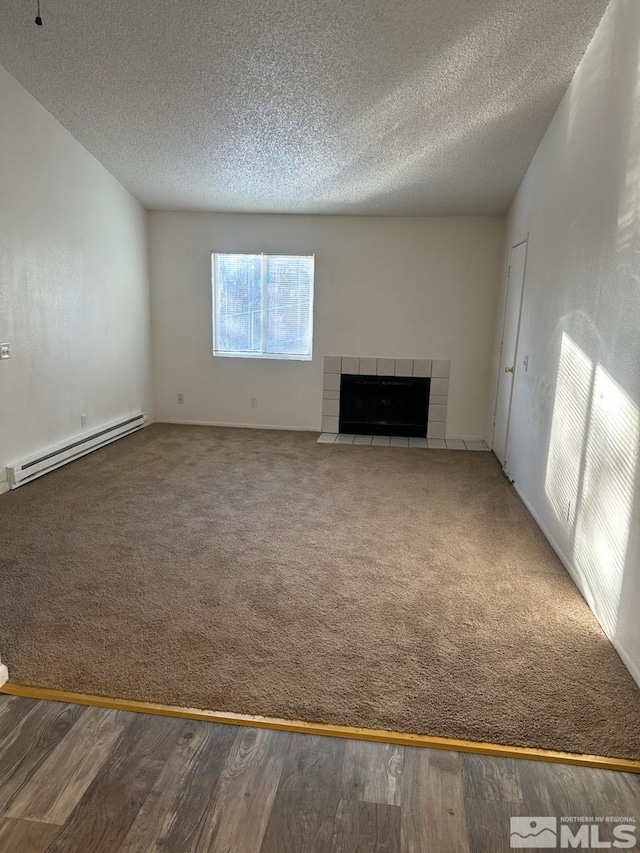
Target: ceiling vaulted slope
[[305, 106]]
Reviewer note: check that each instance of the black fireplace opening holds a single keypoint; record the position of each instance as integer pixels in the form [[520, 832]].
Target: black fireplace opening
[[384, 405]]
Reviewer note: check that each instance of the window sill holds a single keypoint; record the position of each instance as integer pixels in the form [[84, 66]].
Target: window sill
[[263, 356]]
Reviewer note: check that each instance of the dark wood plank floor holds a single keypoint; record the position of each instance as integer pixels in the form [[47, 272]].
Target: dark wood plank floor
[[88, 779]]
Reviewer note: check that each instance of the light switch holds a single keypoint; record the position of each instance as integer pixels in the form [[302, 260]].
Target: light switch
[[525, 363], [5, 351]]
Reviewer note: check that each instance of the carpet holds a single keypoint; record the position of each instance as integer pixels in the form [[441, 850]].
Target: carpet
[[262, 573]]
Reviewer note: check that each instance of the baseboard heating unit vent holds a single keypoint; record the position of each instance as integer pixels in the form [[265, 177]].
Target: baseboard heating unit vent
[[45, 461]]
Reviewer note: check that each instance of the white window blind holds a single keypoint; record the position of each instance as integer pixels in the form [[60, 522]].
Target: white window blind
[[263, 305]]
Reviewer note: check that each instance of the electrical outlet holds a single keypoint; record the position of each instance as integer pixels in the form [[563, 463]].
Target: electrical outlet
[[5, 350], [83, 420], [254, 402], [180, 399]]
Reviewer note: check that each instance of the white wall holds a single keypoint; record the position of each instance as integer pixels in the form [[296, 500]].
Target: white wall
[[573, 446], [396, 287], [74, 301]]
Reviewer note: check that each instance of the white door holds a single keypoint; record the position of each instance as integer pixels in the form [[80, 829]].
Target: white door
[[509, 350]]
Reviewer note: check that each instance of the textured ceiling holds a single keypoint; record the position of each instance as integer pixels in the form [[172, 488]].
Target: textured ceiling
[[316, 106]]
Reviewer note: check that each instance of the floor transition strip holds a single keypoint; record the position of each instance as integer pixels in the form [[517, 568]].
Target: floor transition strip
[[380, 735]]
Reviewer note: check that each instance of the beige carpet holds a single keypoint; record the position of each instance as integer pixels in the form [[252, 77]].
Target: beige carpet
[[262, 573]]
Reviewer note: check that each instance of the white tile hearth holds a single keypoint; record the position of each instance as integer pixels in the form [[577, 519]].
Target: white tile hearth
[[475, 445], [344, 438], [363, 439], [417, 442], [327, 438], [401, 441]]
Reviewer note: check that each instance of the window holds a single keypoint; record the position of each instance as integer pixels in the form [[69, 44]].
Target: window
[[263, 305]]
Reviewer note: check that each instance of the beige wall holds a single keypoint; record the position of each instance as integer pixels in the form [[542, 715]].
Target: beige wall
[[73, 285], [396, 287], [573, 446]]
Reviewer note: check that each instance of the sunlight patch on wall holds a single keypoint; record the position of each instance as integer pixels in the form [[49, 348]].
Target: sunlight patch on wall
[[568, 427], [606, 500], [628, 236]]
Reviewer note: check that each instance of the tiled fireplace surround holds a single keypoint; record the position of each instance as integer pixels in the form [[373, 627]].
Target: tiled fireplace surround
[[437, 369]]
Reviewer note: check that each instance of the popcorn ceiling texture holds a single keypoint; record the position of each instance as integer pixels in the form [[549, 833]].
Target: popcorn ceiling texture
[[336, 107]]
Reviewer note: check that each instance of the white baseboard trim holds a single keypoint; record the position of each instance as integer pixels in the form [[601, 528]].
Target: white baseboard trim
[[238, 426], [575, 577], [4, 674], [278, 427], [626, 660], [566, 562]]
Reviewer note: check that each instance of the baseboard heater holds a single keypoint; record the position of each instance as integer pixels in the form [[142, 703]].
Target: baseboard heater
[[47, 460]]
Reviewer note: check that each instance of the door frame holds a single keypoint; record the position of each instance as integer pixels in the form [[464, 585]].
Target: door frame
[[523, 240]]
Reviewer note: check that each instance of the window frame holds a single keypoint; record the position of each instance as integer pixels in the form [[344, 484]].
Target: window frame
[[263, 314]]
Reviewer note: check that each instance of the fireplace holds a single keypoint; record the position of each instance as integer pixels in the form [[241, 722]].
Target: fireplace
[[384, 405], [337, 367]]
